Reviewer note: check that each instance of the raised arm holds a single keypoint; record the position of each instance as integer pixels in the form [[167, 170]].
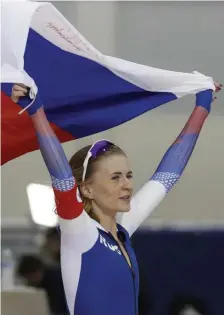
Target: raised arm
[[78, 234], [63, 181], [69, 209], [171, 166]]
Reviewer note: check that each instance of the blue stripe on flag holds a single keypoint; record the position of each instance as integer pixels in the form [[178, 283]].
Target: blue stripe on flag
[[81, 96]]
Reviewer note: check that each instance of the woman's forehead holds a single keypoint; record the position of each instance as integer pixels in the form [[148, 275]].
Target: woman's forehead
[[113, 163]]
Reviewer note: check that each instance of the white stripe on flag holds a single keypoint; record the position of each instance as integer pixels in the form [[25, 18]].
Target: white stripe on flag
[[46, 20]]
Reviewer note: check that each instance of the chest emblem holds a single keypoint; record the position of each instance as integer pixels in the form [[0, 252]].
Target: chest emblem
[[114, 248]]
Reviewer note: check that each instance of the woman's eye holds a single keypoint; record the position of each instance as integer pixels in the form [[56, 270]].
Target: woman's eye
[[130, 176], [115, 177]]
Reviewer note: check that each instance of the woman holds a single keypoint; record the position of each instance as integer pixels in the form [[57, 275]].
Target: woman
[[99, 268]]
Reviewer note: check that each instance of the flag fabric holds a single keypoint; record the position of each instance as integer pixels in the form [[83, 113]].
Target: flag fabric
[[83, 91]]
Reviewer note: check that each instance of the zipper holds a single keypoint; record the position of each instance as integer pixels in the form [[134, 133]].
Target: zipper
[[131, 269]]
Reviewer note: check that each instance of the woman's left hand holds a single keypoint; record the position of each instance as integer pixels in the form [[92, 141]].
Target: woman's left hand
[[218, 86]]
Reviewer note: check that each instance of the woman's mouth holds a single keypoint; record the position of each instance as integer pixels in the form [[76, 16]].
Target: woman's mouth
[[125, 198]]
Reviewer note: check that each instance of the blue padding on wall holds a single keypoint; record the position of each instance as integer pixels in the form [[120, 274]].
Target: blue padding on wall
[[182, 263]]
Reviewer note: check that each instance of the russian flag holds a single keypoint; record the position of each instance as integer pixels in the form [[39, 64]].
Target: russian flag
[[83, 91]]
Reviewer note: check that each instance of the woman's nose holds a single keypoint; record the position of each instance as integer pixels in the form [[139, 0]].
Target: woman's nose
[[128, 184]]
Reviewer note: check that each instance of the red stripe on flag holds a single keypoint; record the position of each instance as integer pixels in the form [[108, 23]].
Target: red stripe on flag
[[17, 131]]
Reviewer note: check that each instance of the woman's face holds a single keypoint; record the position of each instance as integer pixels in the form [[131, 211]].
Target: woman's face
[[111, 184]]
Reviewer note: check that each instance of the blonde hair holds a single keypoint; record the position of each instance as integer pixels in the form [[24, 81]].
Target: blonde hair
[[76, 163]]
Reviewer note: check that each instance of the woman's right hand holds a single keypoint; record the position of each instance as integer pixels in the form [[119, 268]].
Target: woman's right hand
[[20, 95], [18, 90]]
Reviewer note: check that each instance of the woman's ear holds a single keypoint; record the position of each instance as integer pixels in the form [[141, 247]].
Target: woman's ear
[[86, 190]]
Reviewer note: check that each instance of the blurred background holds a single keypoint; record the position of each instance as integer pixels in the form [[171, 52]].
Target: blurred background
[[180, 246]]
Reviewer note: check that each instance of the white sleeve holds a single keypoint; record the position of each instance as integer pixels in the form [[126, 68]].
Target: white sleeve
[[75, 224], [142, 204], [79, 233], [77, 236]]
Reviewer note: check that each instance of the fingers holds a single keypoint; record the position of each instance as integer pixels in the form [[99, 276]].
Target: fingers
[[218, 86], [20, 88], [18, 93]]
